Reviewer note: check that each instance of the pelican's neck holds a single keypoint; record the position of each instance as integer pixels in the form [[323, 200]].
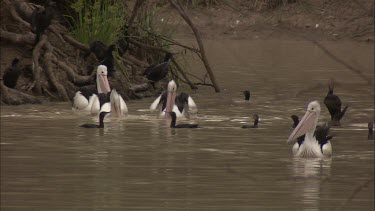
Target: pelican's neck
[[309, 136]]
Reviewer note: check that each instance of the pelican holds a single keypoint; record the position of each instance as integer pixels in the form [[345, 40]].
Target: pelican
[[311, 146], [116, 105], [174, 103], [89, 102]]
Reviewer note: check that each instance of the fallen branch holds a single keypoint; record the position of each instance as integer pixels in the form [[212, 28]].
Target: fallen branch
[[135, 61], [174, 42], [146, 46], [199, 41], [179, 69]]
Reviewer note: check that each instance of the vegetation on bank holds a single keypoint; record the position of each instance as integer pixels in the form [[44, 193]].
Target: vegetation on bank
[[60, 63]]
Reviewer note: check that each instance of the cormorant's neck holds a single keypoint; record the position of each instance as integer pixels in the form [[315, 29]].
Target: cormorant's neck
[[295, 124], [167, 58], [247, 97], [330, 91], [101, 123], [256, 122], [173, 121]]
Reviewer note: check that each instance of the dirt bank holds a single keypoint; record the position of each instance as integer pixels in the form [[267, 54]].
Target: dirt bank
[[308, 19]]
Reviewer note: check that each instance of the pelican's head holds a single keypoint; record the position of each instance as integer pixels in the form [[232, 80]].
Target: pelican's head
[[308, 122], [102, 70], [172, 87], [101, 79], [314, 106], [171, 96]]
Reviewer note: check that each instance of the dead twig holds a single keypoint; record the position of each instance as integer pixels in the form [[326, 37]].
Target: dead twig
[[183, 14]]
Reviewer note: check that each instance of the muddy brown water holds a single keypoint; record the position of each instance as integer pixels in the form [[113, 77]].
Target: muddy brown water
[[49, 163]]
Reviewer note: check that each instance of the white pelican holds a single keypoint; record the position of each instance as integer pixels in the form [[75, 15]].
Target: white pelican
[[174, 103], [116, 105], [314, 144], [89, 102]]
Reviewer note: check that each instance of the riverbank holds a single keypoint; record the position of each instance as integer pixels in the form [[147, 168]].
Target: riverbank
[[312, 19]]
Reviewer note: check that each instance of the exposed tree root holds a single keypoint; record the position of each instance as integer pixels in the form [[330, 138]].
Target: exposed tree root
[[15, 97], [58, 67], [73, 76], [20, 39], [60, 89]]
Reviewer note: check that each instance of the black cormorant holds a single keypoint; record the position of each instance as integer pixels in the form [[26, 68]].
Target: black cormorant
[[173, 122], [101, 121], [11, 75], [333, 103]]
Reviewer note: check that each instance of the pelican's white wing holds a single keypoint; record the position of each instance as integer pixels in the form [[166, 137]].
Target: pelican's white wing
[[124, 107], [79, 101], [94, 104], [192, 106], [155, 104]]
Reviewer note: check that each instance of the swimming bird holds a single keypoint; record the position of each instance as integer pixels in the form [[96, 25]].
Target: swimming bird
[[156, 72], [101, 121], [173, 122], [116, 105], [171, 102], [247, 94], [12, 74], [311, 147], [370, 131], [333, 103], [295, 123], [41, 19], [256, 120], [88, 101]]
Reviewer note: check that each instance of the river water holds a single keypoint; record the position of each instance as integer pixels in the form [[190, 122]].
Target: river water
[[49, 163]]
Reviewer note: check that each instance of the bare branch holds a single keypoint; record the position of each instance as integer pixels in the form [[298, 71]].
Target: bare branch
[[200, 43]]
